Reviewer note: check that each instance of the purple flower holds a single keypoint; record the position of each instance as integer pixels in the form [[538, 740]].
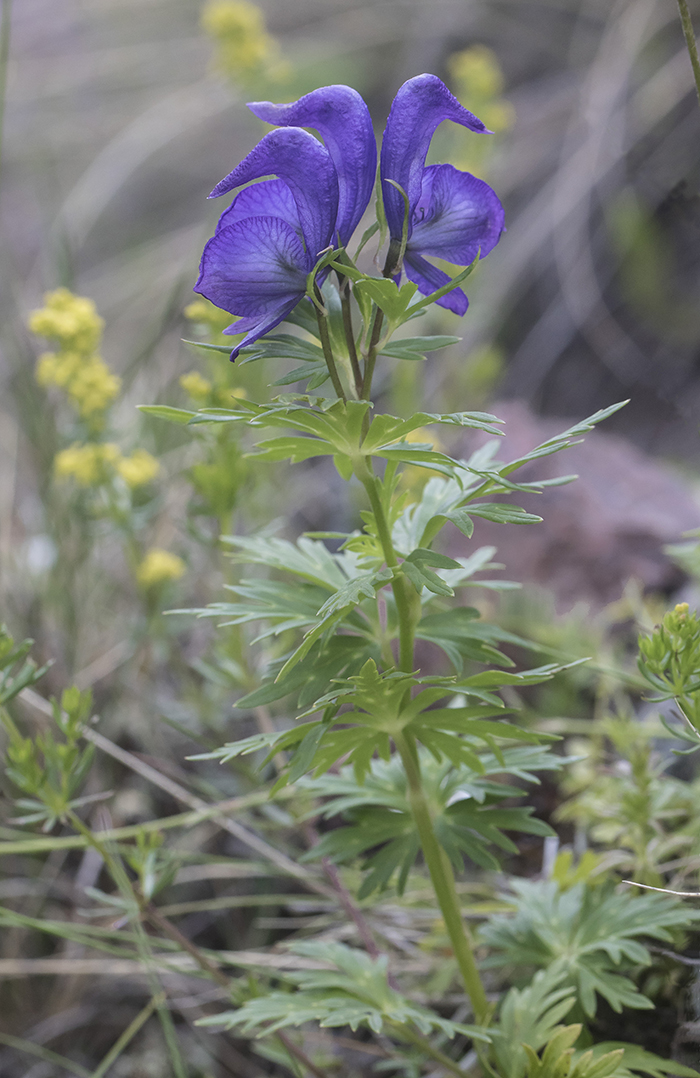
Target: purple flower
[[269, 239], [452, 215], [341, 117]]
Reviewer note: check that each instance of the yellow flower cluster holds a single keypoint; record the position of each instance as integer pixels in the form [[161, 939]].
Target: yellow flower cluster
[[95, 463], [72, 321], [243, 45], [73, 324], [138, 469], [196, 387], [89, 464], [477, 81], [159, 566]]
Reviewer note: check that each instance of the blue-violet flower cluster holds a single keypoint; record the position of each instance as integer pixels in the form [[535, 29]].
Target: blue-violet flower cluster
[[269, 239]]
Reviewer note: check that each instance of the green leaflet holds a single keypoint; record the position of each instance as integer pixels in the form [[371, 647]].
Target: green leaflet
[[594, 932], [348, 989], [17, 672], [415, 348], [282, 346]]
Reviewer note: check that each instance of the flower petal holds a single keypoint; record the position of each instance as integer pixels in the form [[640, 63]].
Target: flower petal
[[419, 107], [429, 278], [342, 118], [300, 160], [457, 215], [257, 269], [271, 198]]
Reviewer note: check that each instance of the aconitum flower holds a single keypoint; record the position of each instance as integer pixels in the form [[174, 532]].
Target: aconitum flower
[[451, 214], [267, 242], [269, 239]]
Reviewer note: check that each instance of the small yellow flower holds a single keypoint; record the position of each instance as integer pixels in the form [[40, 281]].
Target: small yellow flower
[[57, 369], [138, 469], [159, 566], [196, 386], [476, 72], [243, 45], [477, 81], [89, 465], [93, 387], [70, 320]]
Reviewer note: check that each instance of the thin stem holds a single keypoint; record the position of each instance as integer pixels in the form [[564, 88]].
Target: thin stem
[[5, 13], [372, 356], [353, 911], [158, 920], [349, 334], [128, 1035], [327, 349], [443, 881], [122, 881], [401, 587], [690, 42]]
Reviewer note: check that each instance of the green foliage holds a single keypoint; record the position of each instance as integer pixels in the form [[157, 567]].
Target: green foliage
[[17, 671], [50, 770], [557, 1061], [529, 1016], [669, 661], [356, 993], [592, 934], [467, 805], [380, 708], [627, 802]]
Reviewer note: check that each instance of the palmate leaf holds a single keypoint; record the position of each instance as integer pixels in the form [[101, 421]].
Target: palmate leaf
[[306, 558], [380, 827], [459, 634], [378, 709], [340, 656], [596, 932], [355, 993], [452, 498]]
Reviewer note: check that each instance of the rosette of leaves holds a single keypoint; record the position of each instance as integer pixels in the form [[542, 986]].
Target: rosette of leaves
[[593, 936]]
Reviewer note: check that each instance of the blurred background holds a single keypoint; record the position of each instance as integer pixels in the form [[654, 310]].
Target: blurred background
[[119, 118]]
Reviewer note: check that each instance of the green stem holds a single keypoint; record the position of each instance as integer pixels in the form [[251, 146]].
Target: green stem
[[425, 1046], [404, 592], [128, 1035], [327, 349], [4, 62], [443, 881], [372, 356], [690, 42], [349, 335]]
